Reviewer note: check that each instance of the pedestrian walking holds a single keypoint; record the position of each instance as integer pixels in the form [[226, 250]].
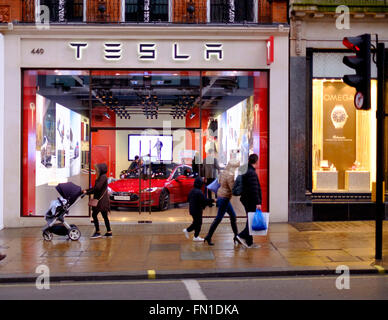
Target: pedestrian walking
[[226, 181], [197, 203], [100, 192], [2, 256], [211, 169], [250, 197]]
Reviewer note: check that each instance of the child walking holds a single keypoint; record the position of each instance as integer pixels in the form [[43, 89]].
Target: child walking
[[197, 202]]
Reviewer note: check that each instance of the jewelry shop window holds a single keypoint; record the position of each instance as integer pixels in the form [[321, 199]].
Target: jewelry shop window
[[344, 147]]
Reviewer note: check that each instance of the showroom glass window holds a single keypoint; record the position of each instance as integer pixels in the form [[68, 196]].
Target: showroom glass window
[[240, 125], [55, 137], [67, 114]]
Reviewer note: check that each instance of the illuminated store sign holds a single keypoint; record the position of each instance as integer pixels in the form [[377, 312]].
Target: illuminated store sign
[[113, 51]]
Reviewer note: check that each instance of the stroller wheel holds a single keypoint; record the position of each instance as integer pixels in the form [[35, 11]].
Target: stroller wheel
[[74, 234], [47, 235]]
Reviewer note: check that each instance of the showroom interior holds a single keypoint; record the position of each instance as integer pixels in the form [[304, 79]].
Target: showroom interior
[[74, 119]]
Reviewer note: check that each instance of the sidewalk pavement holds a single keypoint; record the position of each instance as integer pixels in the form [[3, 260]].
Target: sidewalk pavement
[[161, 251]]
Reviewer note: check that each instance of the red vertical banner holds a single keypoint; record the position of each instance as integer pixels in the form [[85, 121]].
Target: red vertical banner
[[260, 132], [103, 146], [29, 142], [270, 50]]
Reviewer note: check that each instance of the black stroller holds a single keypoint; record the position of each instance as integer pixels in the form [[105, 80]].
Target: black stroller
[[55, 216]]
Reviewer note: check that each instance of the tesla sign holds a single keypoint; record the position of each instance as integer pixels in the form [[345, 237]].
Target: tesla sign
[[148, 51]]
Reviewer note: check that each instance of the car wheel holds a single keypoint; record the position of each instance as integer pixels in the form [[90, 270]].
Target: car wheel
[[164, 200]]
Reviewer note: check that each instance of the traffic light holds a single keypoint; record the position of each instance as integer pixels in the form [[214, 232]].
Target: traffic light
[[360, 45]]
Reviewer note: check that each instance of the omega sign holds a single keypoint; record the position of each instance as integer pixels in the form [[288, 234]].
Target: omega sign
[[338, 97], [146, 51]]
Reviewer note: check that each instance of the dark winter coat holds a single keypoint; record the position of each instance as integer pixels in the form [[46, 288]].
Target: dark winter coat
[[251, 191], [100, 186], [210, 167], [197, 200]]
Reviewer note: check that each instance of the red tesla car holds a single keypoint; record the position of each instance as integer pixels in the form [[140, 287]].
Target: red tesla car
[[169, 184]]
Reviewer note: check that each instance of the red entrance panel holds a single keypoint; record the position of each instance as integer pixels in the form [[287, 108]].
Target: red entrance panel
[[103, 148], [260, 133], [29, 142]]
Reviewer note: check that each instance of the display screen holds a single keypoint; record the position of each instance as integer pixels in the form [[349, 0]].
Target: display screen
[[160, 147], [58, 142]]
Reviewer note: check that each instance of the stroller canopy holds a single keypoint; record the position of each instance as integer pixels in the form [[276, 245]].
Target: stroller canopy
[[69, 191]]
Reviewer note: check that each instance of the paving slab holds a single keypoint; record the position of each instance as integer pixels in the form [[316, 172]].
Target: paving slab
[[138, 251]]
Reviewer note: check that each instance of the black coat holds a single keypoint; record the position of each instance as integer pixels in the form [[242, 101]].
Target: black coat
[[251, 191], [100, 189], [197, 200]]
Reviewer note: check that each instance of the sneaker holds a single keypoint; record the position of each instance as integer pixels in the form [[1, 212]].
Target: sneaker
[[108, 235], [198, 239], [242, 241], [2, 256], [186, 233], [254, 246], [95, 235]]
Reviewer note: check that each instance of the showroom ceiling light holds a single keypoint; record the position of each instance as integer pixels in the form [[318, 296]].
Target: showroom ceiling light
[[150, 106]]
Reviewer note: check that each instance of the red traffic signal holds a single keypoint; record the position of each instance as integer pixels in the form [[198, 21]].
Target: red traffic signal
[[361, 64]]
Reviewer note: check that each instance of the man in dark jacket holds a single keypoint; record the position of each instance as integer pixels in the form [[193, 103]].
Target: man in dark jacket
[[100, 192], [211, 168], [250, 196], [197, 203]]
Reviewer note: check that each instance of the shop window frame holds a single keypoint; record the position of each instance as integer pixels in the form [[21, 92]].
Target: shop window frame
[[226, 18], [89, 72], [323, 196], [141, 17]]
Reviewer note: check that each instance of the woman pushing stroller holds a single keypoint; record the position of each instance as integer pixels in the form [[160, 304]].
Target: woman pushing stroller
[[100, 192]]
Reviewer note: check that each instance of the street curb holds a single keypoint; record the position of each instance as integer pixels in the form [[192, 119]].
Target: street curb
[[176, 275]]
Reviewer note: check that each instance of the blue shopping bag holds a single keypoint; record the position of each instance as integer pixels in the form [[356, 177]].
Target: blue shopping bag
[[214, 186], [259, 222]]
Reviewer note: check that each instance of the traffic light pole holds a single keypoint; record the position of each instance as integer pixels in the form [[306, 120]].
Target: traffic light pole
[[380, 170]]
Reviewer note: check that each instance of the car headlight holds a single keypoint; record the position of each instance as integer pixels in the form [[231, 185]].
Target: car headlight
[[150, 189], [110, 191]]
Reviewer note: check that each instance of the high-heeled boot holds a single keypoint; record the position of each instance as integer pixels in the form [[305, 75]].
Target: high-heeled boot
[[212, 228]]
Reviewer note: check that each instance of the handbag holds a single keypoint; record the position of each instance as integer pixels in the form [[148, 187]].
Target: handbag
[[258, 222], [94, 202], [237, 187], [214, 186]]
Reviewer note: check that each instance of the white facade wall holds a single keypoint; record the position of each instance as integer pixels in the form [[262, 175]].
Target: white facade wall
[[244, 48]]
